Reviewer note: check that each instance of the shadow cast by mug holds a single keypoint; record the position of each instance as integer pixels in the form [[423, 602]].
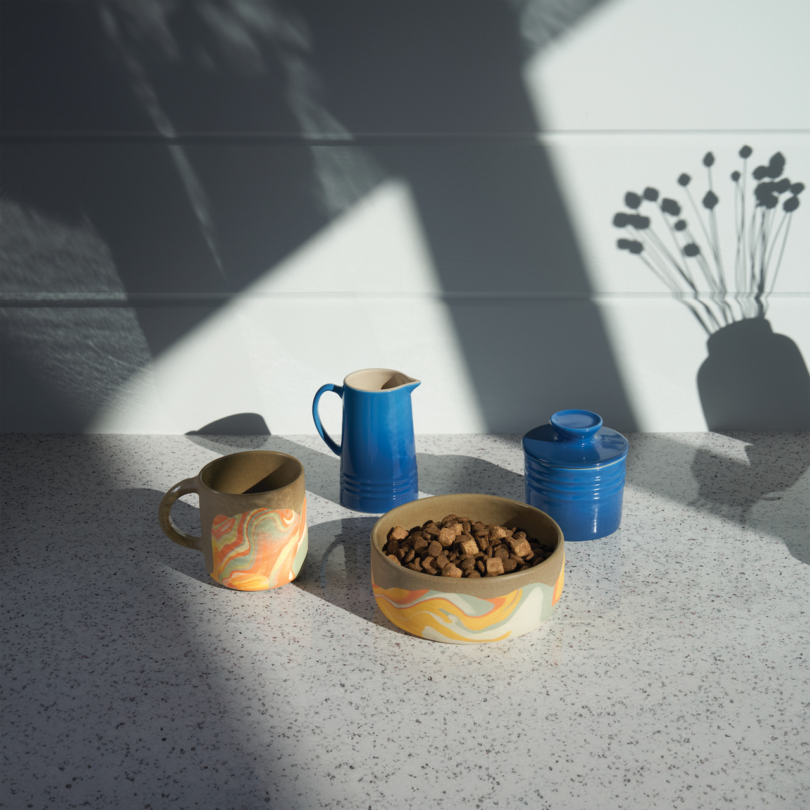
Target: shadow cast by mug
[[141, 505]]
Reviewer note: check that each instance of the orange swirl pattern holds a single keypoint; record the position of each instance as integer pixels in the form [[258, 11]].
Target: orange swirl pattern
[[257, 550], [558, 587], [464, 619]]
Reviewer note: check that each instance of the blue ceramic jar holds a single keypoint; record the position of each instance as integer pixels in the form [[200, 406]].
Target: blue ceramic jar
[[574, 471]]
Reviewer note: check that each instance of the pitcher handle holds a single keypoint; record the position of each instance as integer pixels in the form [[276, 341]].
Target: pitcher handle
[[338, 389]]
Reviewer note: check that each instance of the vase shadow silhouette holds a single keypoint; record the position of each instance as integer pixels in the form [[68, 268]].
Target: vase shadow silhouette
[[756, 380]]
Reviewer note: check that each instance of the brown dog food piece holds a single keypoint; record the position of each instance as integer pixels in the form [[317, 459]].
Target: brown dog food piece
[[469, 547], [509, 565], [431, 529], [410, 554], [483, 543], [397, 533], [414, 566], [419, 544], [501, 552], [451, 571], [442, 561], [447, 537], [497, 532], [494, 566], [520, 547], [428, 565], [472, 575], [481, 566], [393, 558], [467, 563], [434, 549]]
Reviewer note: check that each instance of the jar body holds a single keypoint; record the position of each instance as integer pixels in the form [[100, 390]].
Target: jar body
[[585, 502]]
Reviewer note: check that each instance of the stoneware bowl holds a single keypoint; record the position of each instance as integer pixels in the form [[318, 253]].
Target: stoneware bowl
[[468, 611]]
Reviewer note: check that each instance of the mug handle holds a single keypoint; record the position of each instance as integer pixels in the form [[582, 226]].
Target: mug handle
[[186, 487], [338, 389]]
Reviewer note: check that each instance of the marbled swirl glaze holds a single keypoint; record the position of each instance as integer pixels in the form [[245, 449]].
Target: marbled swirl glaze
[[462, 619], [258, 550]]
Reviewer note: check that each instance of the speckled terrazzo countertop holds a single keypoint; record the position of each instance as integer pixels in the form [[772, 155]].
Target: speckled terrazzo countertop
[[674, 672]]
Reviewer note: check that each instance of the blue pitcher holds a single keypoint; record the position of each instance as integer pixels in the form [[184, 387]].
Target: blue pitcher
[[378, 449]]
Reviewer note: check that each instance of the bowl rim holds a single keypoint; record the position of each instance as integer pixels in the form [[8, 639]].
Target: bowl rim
[[454, 582]]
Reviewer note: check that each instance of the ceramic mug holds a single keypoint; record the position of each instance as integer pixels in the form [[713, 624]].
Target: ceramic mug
[[253, 515]]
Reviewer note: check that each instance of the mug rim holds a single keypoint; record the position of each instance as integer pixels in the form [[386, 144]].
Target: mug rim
[[249, 453]]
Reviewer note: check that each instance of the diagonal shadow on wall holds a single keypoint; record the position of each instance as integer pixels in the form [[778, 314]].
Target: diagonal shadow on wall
[[168, 169]]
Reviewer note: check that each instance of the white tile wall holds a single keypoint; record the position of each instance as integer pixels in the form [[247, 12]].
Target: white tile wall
[[183, 238]]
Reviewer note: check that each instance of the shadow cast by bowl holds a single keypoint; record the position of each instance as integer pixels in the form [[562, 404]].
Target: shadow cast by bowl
[[338, 568]]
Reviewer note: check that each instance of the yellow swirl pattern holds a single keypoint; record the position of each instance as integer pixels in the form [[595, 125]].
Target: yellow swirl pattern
[[463, 619], [258, 550]]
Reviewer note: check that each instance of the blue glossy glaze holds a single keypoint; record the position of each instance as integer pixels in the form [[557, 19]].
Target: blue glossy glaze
[[378, 450], [575, 471]]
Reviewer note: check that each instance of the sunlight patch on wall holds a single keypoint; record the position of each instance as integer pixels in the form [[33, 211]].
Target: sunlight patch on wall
[[642, 65], [362, 293]]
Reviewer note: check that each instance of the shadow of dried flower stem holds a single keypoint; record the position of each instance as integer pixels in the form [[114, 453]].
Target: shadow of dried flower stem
[[678, 258]]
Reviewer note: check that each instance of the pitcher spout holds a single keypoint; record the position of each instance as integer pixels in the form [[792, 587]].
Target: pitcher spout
[[400, 380], [381, 379]]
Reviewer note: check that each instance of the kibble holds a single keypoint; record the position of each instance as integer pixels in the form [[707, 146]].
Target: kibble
[[459, 547]]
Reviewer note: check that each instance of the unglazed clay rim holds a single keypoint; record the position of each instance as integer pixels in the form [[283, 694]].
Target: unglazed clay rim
[[251, 453], [455, 583]]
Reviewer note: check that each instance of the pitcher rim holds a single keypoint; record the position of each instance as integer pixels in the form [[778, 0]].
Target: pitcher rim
[[348, 384]]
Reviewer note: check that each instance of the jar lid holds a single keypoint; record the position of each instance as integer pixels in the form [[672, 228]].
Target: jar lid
[[575, 438]]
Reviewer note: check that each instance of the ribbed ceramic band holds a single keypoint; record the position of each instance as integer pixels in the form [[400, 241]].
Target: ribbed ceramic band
[[367, 496], [567, 484], [587, 503]]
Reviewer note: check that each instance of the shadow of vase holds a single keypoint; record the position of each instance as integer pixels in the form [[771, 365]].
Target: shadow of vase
[[754, 379]]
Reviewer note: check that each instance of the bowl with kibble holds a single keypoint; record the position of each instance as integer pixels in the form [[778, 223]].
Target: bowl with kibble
[[467, 569]]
